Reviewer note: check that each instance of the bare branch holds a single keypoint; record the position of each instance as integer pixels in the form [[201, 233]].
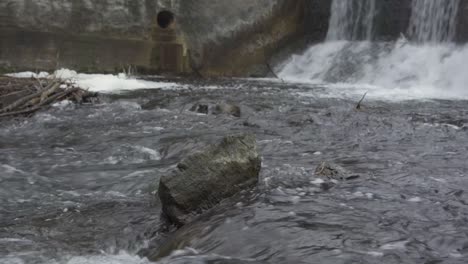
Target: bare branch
[[359, 104]]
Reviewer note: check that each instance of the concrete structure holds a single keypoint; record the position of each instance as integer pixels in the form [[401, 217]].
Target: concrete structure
[[206, 37], [201, 37]]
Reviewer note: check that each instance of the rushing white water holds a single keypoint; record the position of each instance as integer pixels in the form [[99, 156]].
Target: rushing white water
[[431, 67], [352, 20], [386, 69], [104, 83], [433, 20], [121, 258]]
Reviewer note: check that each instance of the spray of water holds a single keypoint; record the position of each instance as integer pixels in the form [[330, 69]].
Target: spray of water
[[432, 67], [421, 71]]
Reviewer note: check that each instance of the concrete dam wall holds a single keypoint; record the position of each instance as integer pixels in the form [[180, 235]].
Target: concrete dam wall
[[199, 37], [206, 37]]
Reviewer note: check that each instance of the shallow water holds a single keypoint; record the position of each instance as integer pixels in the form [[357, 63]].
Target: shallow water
[[77, 184]]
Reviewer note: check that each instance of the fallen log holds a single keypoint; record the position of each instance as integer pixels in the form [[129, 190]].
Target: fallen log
[[27, 99], [24, 97]]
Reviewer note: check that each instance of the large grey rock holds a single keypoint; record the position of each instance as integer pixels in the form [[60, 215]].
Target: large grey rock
[[203, 179]]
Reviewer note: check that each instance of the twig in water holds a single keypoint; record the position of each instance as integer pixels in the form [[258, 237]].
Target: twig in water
[[273, 72], [358, 106]]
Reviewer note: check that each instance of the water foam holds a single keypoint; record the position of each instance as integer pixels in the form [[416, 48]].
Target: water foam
[[121, 258], [396, 70], [104, 83]]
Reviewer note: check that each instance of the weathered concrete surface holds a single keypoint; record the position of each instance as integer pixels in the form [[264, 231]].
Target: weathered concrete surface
[[85, 35], [204, 179], [236, 38], [317, 16], [207, 38], [30, 50], [106, 18], [215, 37], [392, 19]]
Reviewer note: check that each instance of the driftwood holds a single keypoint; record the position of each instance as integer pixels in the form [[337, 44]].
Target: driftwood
[[272, 71], [359, 104], [22, 97]]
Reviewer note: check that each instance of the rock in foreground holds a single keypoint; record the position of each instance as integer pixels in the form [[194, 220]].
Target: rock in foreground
[[203, 179]]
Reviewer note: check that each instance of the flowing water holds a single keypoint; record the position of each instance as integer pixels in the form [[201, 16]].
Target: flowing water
[[78, 183], [352, 19], [431, 66], [434, 20]]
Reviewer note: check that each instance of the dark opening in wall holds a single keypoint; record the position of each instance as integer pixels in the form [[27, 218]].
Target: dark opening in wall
[[165, 19]]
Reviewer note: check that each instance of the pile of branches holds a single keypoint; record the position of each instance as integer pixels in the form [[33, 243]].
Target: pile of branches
[[24, 97]]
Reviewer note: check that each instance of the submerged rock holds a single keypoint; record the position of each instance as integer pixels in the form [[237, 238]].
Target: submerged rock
[[332, 174], [218, 109], [228, 109], [331, 171], [203, 179], [200, 108]]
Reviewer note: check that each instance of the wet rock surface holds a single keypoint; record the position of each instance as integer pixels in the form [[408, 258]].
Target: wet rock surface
[[333, 172], [217, 109], [203, 179]]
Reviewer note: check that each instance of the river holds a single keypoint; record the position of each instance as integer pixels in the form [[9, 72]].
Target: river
[[77, 183]]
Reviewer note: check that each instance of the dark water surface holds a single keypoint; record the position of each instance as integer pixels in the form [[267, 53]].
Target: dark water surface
[[77, 184]]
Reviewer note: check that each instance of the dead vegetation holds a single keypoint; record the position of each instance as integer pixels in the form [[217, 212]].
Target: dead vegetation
[[359, 104], [25, 96]]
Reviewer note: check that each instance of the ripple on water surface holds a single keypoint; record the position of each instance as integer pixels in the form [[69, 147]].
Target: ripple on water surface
[[77, 184]]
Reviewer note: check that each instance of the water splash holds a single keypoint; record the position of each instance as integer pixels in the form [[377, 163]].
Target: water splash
[[433, 20], [352, 20], [413, 71], [431, 67]]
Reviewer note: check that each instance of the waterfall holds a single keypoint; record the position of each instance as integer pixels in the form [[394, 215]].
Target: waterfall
[[433, 20], [430, 66], [352, 20]]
